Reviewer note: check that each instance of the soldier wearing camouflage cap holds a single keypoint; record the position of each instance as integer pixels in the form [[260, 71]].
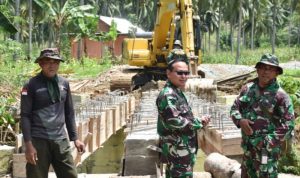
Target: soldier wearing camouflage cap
[[176, 125], [48, 121], [177, 44], [265, 114]]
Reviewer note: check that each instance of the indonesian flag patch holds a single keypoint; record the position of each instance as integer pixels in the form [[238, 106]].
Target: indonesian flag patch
[[24, 91]]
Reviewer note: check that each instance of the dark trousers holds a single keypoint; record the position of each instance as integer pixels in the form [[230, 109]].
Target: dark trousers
[[54, 152]]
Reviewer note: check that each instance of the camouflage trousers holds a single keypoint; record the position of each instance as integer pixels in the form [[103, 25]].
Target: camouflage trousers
[[252, 166], [179, 156]]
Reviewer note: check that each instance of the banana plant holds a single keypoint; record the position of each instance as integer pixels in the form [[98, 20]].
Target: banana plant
[[87, 28], [60, 15], [6, 24]]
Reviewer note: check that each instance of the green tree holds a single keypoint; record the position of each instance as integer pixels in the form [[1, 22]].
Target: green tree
[[60, 15]]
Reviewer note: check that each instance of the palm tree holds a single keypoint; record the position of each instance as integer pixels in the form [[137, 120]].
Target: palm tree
[[109, 8], [6, 24], [17, 13], [79, 56], [277, 15], [211, 22], [209, 15], [253, 5], [293, 6], [220, 11], [239, 32], [231, 16]]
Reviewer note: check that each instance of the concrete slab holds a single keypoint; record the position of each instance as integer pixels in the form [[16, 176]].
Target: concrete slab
[[140, 165], [83, 175], [137, 145]]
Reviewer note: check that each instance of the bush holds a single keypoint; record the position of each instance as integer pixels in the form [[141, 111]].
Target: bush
[[290, 163], [10, 49]]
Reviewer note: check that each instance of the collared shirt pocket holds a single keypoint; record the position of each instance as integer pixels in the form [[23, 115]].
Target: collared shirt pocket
[[41, 95]]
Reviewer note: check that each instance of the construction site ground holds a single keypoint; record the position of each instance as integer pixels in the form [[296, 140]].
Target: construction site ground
[[226, 76]]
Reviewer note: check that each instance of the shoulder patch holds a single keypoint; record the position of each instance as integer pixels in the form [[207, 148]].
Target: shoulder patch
[[24, 91]]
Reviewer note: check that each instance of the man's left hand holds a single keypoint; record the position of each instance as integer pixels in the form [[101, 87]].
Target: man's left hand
[[205, 120], [80, 146]]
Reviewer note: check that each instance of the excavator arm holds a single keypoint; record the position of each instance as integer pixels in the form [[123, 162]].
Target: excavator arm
[[174, 21]]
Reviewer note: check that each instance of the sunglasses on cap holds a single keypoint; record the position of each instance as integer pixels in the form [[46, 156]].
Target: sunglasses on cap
[[182, 72]]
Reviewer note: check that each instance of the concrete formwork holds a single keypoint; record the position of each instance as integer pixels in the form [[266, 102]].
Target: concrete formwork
[[96, 121]]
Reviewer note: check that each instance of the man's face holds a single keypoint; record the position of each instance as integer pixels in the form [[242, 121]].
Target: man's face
[[266, 73], [179, 75], [49, 67]]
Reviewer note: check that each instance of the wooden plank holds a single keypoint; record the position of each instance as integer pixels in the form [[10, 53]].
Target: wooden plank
[[109, 122], [213, 140], [102, 126], [93, 130]]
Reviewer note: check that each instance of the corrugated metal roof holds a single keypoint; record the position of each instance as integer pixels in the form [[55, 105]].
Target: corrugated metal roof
[[123, 25]]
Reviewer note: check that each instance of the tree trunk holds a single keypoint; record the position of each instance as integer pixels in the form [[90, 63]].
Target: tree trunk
[[252, 25], [244, 37], [208, 40], [204, 43], [239, 34], [290, 25], [43, 34], [79, 53], [30, 29], [17, 35], [17, 13], [51, 37], [79, 44], [274, 27], [299, 35], [231, 36], [121, 5], [218, 31]]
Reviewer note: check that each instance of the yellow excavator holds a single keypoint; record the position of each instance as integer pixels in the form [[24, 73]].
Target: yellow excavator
[[174, 21]]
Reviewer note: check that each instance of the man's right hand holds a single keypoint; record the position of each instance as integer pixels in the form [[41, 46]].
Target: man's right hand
[[30, 153], [245, 126]]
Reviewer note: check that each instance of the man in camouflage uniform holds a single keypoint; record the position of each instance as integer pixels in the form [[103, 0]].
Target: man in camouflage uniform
[[264, 112], [176, 124], [177, 44]]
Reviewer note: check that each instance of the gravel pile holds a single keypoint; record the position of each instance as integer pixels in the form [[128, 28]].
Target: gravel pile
[[218, 71], [291, 65]]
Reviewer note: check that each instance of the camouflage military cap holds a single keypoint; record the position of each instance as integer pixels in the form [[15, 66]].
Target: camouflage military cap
[[269, 59], [51, 53], [176, 55]]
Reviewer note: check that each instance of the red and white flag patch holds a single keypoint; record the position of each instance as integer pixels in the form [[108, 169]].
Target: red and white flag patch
[[24, 91]]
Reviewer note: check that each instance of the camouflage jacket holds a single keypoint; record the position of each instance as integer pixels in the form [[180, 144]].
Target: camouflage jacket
[[175, 117], [270, 109]]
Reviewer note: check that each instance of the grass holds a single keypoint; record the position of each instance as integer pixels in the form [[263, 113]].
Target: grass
[[89, 69], [249, 57]]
